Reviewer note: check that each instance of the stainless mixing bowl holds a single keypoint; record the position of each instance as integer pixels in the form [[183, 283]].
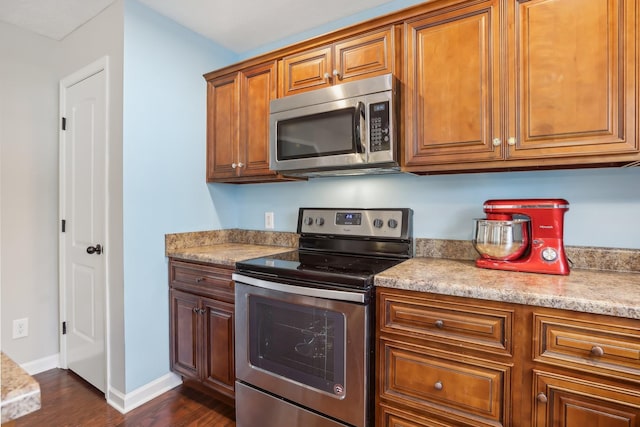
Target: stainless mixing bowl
[[501, 240]]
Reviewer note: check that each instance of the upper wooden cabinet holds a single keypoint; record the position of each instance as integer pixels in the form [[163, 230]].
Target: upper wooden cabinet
[[522, 84], [238, 125], [367, 55], [485, 85]]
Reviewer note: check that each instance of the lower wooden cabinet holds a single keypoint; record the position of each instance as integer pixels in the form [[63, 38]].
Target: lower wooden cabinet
[[562, 401], [202, 327], [451, 361], [443, 361]]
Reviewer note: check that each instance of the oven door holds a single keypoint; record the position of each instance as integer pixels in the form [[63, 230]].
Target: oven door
[[309, 350]]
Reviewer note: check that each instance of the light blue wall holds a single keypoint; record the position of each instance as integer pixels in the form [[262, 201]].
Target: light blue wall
[[164, 172], [604, 203]]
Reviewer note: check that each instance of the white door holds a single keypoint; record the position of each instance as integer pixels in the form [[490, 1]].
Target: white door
[[83, 160]]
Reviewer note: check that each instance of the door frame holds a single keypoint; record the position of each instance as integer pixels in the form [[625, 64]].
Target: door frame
[[100, 65]]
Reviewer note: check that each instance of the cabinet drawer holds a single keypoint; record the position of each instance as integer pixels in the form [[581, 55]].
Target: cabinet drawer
[[461, 389], [461, 324], [392, 417], [603, 345], [202, 279]]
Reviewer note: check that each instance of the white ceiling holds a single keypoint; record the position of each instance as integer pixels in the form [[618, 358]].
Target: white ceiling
[[238, 25]]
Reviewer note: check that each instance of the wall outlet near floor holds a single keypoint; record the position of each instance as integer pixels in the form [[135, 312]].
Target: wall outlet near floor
[[20, 328], [269, 220]]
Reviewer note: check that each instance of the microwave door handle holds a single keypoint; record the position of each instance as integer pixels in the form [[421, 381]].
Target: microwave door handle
[[359, 127]]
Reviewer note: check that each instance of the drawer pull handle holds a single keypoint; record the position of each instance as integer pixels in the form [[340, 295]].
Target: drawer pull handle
[[597, 351], [439, 324], [438, 385], [542, 398], [200, 279]]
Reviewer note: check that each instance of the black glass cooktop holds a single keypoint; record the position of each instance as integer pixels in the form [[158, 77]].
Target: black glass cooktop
[[323, 269]]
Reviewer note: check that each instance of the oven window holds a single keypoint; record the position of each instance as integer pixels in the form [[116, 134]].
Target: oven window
[[299, 342], [323, 134]]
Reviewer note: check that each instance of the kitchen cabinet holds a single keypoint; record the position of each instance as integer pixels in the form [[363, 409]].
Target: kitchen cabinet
[[586, 370], [365, 55], [442, 361], [445, 361], [202, 327], [238, 125], [521, 84]]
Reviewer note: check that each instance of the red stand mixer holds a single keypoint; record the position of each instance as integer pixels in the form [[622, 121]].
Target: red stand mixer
[[522, 235]]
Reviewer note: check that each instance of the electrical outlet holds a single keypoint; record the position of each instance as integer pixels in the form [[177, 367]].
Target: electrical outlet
[[269, 220], [20, 328]]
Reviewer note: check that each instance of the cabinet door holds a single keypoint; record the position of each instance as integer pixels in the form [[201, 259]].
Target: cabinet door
[[184, 333], [573, 78], [570, 402], [219, 367], [365, 56], [258, 87], [222, 127], [306, 71], [452, 109]]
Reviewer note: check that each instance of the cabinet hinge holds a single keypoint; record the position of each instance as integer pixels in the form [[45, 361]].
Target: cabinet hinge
[[64, 328], [64, 225], [64, 123]]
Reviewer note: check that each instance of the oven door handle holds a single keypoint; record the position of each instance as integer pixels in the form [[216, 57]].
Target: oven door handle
[[301, 290]]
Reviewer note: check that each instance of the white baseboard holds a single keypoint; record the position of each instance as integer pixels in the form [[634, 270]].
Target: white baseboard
[[126, 402], [41, 365], [120, 401]]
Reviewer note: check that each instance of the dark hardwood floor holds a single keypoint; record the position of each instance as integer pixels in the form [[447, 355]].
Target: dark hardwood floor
[[69, 401]]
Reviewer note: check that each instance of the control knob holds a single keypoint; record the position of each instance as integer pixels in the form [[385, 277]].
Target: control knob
[[308, 221], [392, 223], [319, 221], [377, 223]]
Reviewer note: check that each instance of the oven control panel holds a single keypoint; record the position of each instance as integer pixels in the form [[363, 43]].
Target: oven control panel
[[388, 223]]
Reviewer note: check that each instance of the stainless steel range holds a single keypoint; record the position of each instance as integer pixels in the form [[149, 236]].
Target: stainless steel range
[[305, 320]]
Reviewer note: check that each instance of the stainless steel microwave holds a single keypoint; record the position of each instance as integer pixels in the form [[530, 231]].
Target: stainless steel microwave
[[346, 129]]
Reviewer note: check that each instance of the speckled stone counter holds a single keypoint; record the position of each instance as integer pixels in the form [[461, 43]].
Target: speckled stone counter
[[225, 253], [226, 247], [20, 392], [602, 281], [600, 292]]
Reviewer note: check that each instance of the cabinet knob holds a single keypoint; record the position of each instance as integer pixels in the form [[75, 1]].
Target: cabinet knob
[[497, 142], [597, 351], [438, 385], [439, 324], [200, 279], [327, 76], [195, 310], [240, 165], [336, 73], [234, 165], [511, 141], [542, 398], [202, 311]]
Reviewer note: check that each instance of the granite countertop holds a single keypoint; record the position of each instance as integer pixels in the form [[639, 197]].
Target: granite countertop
[[602, 280], [225, 253], [20, 392], [600, 292]]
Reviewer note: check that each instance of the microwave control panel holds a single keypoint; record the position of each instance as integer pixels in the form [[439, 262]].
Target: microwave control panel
[[379, 119]]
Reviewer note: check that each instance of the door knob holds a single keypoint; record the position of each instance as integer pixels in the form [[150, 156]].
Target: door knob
[[97, 249]]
